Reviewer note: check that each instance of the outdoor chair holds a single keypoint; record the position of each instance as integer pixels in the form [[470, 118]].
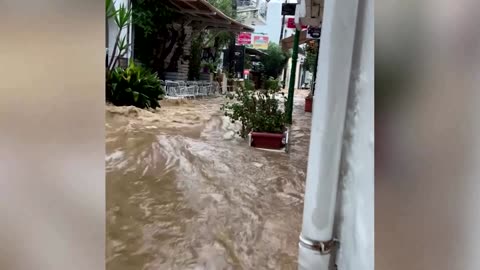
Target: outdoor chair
[[209, 87], [195, 85], [184, 90], [204, 88], [171, 88], [215, 88]]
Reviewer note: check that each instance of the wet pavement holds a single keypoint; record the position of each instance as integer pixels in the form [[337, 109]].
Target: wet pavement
[[183, 192]]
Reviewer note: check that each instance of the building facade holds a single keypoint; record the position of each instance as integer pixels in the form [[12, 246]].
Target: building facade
[[252, 12]]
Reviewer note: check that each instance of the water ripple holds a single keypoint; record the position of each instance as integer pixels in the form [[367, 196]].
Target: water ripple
[[183, 192]]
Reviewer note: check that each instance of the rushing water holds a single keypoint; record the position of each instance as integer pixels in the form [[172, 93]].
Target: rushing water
[[183, 192]]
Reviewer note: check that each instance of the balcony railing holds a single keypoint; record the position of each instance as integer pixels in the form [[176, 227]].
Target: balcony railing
[[247, 3], [252, 11]]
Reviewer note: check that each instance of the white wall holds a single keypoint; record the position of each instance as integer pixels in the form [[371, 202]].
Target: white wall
[[356, 200]]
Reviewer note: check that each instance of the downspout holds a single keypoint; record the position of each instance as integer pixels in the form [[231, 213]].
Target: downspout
[[131, 36], [231, 51], [280, 42], [282, 28], [129, 4], [107, 41], [328, 120], [314, 81]]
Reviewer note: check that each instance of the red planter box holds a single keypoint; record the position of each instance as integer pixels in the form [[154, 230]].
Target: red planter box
[[308, 104], [267, 140]]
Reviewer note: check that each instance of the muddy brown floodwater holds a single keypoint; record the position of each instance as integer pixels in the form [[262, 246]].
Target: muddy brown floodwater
[[184, 193]]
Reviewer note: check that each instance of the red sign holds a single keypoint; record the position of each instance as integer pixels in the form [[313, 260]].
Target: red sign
[[291, 24], [246, 71], [244, 39]]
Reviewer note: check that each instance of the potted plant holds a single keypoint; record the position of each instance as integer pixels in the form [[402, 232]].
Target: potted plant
[[261, 118], [205, 68], [308, 102], [134, 85]]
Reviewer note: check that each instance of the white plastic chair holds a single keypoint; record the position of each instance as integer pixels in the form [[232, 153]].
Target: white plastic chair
[[195, 85], [203, 88], [172, 88], [184, 90]]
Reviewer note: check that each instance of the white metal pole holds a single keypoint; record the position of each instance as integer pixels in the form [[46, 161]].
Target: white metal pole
[[328, 120], [356, 229]]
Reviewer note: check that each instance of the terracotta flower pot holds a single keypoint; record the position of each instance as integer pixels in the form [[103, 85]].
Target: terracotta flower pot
[[267, 140], [308, 104]]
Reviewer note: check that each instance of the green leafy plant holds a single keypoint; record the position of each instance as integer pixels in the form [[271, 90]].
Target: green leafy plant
[[225, 6], [249, 85], [256, 111], [110, 8], [311, 56], [135, 86], [209, 66], [272, 84], [122, 16], [274, 60]]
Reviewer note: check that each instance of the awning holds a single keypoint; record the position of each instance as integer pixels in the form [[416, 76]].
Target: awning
[[287, 43], [256, 52], [203, 13]]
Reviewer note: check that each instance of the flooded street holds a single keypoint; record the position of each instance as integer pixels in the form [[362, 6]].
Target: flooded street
[[184, 193]]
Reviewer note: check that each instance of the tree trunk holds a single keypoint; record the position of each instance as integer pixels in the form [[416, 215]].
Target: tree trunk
[[167, 53], [174, 56]]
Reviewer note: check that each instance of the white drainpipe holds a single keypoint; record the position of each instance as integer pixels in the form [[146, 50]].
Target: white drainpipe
[[328, 120]]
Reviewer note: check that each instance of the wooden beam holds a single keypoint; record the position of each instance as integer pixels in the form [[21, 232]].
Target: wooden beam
[[208, 17], [198, 12], [222, 22], [175, 4], [231, 29]]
